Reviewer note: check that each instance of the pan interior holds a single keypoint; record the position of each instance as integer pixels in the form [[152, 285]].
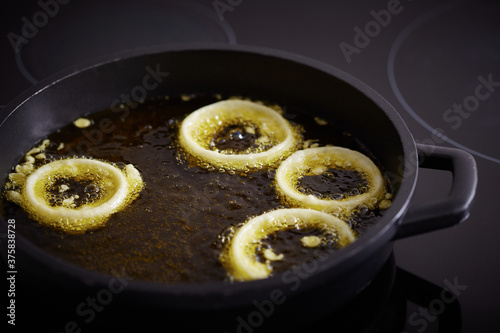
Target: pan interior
[[177, 227], [355, 117]]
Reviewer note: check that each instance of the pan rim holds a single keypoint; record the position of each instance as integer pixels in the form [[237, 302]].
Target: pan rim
[[374, 238]]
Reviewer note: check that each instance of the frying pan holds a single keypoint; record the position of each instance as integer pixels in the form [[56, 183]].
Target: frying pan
[[270, 75]]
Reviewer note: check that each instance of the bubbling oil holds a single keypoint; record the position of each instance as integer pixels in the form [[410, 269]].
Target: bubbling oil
[[230, 121], [175, 229], [239, 138], [81, 191], [54, 196], [289, 246], [333, 184]]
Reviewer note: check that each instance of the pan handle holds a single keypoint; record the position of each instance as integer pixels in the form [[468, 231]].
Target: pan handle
[[448, 211]]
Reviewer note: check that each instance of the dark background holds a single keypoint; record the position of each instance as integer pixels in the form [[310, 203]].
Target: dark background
[[428, 58]]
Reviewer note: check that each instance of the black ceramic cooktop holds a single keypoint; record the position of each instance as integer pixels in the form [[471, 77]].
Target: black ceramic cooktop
[[437, 62]]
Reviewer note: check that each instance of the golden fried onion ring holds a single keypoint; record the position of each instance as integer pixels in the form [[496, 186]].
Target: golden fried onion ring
[[314, 161], [199, 128], [118, 189], [239, 258]]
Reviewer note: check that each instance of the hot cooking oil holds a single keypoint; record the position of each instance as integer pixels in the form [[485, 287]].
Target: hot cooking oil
[[175, 229]]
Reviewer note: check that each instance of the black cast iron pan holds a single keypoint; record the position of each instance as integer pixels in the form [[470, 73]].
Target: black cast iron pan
[[256, 72]]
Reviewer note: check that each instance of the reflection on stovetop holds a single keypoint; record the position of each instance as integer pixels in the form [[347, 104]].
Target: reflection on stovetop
[[455, 66], [116, 27], [45, 37], [395, 301]]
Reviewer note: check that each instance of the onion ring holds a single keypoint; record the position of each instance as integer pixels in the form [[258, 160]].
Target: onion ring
[[277, 141], [305, 161], [118, 189], [239, 258]]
